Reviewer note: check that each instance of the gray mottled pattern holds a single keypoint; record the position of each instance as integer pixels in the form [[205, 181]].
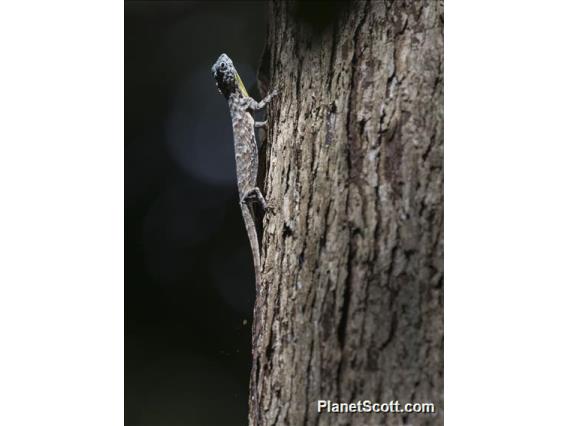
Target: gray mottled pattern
[[246, 151]]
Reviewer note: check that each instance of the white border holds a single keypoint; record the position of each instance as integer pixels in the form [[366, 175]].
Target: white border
[[506, 155], [61, 214]]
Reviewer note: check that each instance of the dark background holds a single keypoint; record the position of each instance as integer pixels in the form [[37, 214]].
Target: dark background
[[189, 271]]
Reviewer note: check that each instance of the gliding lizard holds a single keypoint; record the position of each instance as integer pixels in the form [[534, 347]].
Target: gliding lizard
[[241, 105]]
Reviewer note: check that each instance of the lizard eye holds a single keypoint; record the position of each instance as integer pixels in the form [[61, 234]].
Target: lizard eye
[[223, 65]]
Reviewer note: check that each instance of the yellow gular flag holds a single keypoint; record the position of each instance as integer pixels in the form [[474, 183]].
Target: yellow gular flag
[[241, 86]]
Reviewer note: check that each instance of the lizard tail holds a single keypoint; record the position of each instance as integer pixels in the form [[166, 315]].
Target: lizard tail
[[253, 239]]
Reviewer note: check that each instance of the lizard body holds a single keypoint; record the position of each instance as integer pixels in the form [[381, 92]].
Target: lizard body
[[241, 106]]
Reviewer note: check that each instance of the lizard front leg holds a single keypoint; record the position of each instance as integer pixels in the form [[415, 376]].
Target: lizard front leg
[[255, 106]]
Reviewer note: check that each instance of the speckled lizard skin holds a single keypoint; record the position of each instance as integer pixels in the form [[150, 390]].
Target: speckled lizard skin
[[241, 106]]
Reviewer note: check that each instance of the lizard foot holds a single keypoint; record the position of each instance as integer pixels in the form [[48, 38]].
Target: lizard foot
[[254, 194]]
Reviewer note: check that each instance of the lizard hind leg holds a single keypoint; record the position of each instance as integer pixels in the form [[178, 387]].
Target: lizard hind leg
[[253, 194]]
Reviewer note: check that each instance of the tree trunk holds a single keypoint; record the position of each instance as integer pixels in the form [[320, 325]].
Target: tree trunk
[[350, 305]]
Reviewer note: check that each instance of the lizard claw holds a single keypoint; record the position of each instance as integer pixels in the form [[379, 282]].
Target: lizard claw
[[270, 207], [273, 93]]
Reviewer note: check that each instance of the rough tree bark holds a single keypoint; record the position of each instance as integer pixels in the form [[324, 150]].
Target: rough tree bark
[[350, 305]]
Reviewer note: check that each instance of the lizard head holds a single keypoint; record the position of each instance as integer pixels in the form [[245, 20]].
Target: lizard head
[[226, 77]]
